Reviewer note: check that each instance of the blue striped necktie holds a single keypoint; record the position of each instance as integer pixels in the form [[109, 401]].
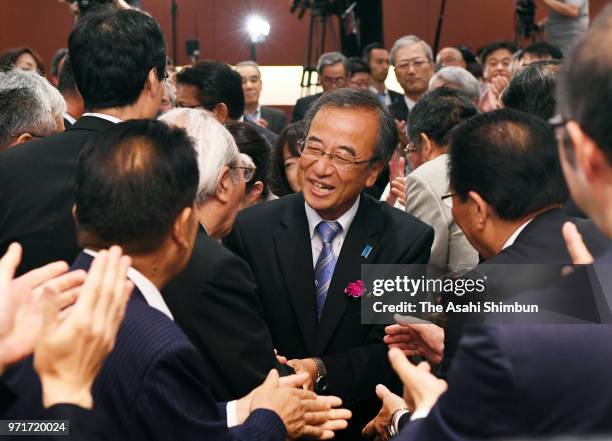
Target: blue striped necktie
[[324, 269]]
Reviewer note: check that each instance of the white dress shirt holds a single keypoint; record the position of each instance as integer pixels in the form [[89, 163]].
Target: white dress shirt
[[315, 240], [68, 117], [409, 103], [516, 233], [112, 119]]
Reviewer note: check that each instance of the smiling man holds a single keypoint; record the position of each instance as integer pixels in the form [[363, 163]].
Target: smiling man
[[304, 250]]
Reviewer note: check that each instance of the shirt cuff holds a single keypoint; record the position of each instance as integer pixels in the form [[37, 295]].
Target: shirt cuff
[[232, 415], [419, 413]]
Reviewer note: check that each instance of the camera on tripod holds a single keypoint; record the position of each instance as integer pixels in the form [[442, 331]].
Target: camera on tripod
[[525, 18]]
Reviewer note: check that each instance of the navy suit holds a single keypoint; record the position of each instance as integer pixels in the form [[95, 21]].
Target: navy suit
[[526, 380], [153, 385], [303, 105]]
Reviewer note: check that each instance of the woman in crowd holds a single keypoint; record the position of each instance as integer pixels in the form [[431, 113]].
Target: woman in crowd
[[23, 58], [284, 168]]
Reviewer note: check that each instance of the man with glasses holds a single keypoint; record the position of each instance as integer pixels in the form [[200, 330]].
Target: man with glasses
[[304, 250], [414, 67], [331, 68]]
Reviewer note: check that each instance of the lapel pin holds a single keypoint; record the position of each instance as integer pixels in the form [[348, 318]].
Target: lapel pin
[[366, 251]]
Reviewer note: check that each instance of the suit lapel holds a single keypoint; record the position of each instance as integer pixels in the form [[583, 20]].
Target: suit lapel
[[364, 230], [295, 261]]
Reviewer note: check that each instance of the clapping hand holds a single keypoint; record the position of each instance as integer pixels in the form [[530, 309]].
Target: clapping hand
[[391, 403], [425, 339]]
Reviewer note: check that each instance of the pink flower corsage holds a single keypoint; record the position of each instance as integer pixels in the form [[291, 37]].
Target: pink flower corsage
[[355, 289]]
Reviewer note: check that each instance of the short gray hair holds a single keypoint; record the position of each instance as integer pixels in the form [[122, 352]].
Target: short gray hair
[[33, 114], [460, 78], [353, 99], [328, 59], [248, 63], [409, 40], [214, 145]]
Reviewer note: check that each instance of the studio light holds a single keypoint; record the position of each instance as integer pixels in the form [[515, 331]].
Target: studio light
[[257, 28]]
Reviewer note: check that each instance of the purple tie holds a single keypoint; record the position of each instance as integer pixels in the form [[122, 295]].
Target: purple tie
[[324, 269]]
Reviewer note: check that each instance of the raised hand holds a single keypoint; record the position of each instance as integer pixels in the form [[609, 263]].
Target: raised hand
[[426, 340], [391, 402], [75, 343], [576, 248]]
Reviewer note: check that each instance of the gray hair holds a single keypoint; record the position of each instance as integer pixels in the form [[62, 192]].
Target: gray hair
[[214, 145], [248, 63], [459, 77], [352, 99], [328, 59], [33, 114], [409, 40]]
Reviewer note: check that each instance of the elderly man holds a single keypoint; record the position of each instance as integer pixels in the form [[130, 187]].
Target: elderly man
[[497, 61], [496, 364], [450, 56], [457, 78], [273, 119], [135, 186], [217, 290], [26, 110], [377, 58], [304, 250], [414, 67], [332, 75]]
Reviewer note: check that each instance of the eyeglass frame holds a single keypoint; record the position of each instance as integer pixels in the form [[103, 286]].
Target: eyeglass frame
[[416, 63], [302, 146], [250, 170]]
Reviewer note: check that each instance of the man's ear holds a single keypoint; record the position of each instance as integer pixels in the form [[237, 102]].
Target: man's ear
[[224, 184], [373, 173], [426, 147], [588, 157], [24, 137], [183, 227], [221, 112], [255, 193], [74, 214], [480, 210]]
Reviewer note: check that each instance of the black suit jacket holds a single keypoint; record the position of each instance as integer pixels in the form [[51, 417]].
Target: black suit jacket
[[215, 302], [274, 239], [396, 97], [37, 181], [399, 109], [302, 105], [153, 385], [276, 118], [540, 242]]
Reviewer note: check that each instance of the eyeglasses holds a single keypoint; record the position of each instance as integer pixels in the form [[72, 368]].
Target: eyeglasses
[[417, 64], [338, 82], [247, 172], [340, 159], [450, 195]]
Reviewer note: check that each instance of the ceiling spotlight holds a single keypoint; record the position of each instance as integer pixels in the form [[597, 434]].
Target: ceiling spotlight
[[257, 28]]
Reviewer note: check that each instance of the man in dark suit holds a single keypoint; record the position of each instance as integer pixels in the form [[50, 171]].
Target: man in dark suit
[[269, 117], [332, 75], [68, 89], [412, 59], [135, 185], [305, 249], [377, 58], [217, 289], [118, 60]]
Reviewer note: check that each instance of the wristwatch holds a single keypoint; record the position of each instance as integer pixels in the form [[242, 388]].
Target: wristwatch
[[393, 425], [320, 384]]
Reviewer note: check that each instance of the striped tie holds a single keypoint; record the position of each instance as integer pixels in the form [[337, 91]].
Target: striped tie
[[324, 269]]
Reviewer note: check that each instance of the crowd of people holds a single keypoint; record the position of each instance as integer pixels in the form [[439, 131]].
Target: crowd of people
[[180, 262]]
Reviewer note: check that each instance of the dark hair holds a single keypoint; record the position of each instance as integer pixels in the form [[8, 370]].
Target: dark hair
[[367, 51], [132, 181], [511, 159], [66, 83], [112, 51], [468, 56], [356, 65], [289, 136], [532, 89], [354, 99], [486, 51], [59, 55], [437, 113], [250, 142], [584, 91], [542, 49], [9, 58], [216, 83]]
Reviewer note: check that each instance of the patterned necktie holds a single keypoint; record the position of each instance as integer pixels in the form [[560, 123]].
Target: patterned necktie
[[324, 269]]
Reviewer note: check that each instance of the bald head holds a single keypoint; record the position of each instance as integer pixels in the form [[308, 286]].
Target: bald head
[[450, 56]]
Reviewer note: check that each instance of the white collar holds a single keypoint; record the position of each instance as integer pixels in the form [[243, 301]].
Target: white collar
[[516, 233], [68, 117], [112, 119], [149, 291], [254, 114], [345, 220], [409, 103]]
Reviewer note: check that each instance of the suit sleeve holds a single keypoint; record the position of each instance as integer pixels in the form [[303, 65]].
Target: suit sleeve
[[298, 111], [176, 390], [482, 400], [84, 424], [344, 368]]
